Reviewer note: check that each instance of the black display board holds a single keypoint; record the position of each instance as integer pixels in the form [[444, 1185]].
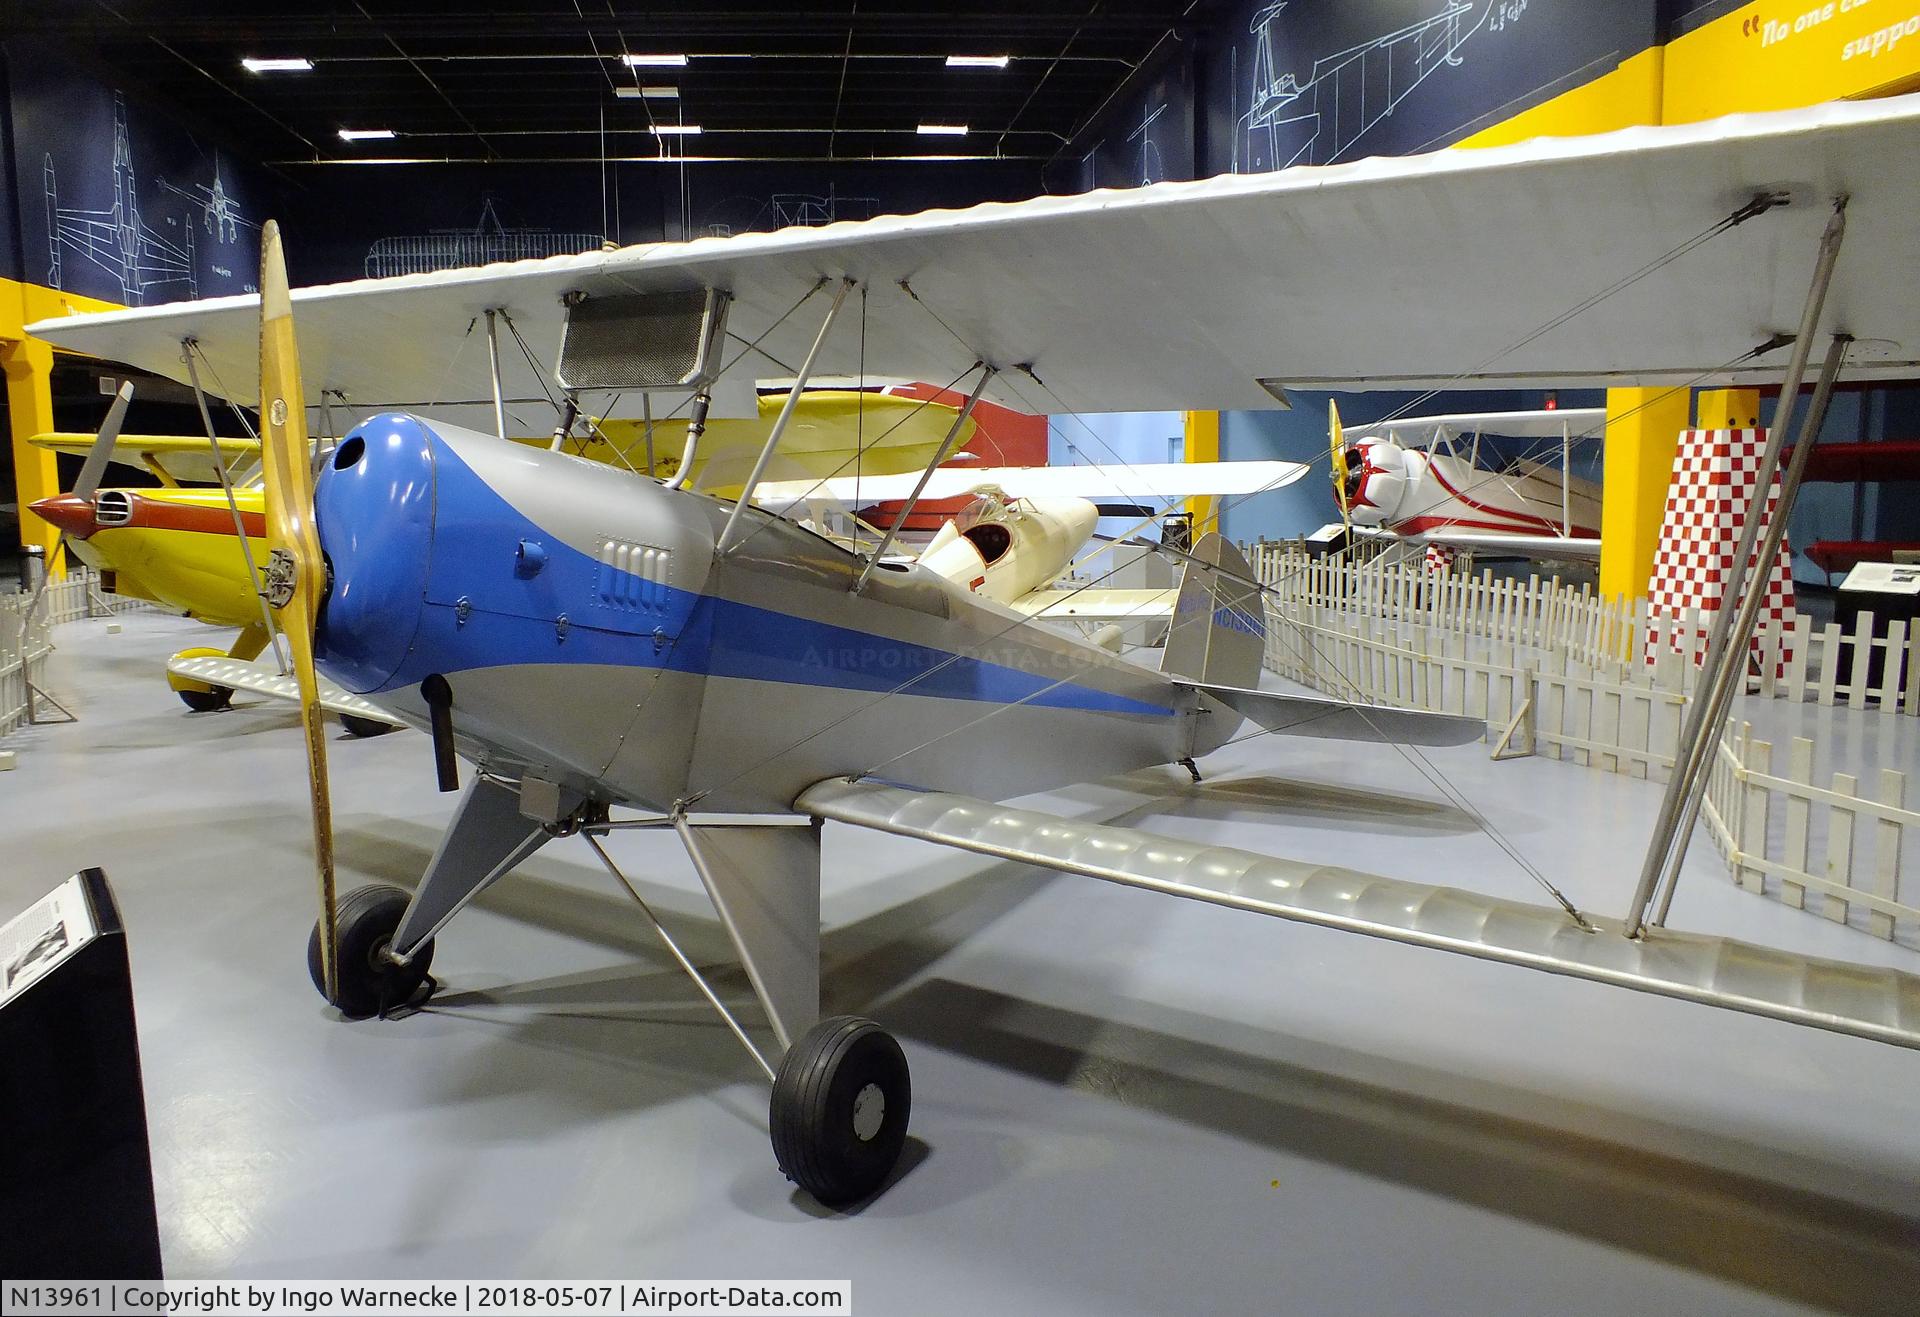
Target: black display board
[[76, 1177]]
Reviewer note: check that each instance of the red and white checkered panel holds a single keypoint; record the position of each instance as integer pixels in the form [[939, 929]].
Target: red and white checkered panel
[[1440, 558], [1713, 478]]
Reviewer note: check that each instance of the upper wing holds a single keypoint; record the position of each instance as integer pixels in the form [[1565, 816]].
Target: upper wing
[[1577, 422], [179, 457], [1144, 480], [1384, 273]]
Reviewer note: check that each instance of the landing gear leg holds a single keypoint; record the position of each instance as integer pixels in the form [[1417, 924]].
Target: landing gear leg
[[386, 934], [841, 1090], [1191, 767]]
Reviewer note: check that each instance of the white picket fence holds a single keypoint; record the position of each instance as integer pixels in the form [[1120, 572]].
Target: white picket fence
[[26, 636], [24, 646], [1786, 835], [1559, 672], [1547, 667]]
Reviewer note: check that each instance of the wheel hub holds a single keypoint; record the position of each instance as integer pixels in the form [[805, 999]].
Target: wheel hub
[[869, 1112]]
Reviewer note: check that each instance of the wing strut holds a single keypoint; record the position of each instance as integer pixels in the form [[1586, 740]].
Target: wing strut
[[730, 537], [946, 448], [1726, 651], [189, 349]]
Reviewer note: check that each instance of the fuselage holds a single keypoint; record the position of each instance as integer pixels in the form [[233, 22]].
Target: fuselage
[[592, 636], [176, 547]]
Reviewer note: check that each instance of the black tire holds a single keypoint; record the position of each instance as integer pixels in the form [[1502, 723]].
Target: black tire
[[211, 700], [365, 727], [822, 1117], [366, 982]]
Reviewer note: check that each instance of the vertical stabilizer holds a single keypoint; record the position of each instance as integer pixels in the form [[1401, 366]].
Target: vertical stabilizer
[[1219, 631]]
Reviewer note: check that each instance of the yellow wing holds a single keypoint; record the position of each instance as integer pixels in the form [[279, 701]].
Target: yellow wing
[[173, 458]]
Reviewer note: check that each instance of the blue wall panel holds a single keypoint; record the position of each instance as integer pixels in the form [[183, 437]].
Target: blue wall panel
[[1320, 81], [115, 199], [348, 222]]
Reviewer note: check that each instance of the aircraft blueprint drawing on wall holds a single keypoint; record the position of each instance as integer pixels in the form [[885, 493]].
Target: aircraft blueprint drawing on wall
[[1316, 115], [488, 241], [785, 209], [117, 240], [219, 214]]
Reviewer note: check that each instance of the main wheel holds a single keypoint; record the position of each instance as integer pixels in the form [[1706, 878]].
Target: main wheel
[[208, 699], [366, 982], [200, 696], [840, 1107], [364, 727]]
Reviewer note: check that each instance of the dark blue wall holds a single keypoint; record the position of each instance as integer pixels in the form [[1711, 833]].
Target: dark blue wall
[[9, 227], [114, 198], [1320, 81], [346, 222]]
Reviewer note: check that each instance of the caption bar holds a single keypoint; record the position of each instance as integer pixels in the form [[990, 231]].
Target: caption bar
[[467, 1298]]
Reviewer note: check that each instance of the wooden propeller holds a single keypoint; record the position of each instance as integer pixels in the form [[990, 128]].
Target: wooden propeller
[[1337, 443], [296, 572]]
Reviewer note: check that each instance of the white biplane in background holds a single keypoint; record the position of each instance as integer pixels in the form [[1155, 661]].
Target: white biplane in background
[[1420, 481], [594, 640]]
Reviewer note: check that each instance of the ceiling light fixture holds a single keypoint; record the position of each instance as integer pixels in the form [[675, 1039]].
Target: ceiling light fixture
[[676, 130], [943, 130], [647, 93], [365, 134], [654, 61], [977, 61], [277, 65]]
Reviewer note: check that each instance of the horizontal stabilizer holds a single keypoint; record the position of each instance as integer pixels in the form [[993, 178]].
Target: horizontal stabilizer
[[1866, 1001], [264, 679], [1096, 604], [1334, 720]]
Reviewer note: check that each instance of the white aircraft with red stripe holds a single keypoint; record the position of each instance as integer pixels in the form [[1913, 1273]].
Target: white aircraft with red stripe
[[1421, 480]]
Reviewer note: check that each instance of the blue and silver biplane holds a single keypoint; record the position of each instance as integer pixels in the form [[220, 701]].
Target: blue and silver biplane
[[610, 650]]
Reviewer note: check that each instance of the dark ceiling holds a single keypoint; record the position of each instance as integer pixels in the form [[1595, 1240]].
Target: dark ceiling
[[534, 79]]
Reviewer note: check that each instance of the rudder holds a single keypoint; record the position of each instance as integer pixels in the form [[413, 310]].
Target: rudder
[[1219, 631]]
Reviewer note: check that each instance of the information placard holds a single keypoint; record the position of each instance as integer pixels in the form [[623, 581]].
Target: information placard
[[44, 935], [1897, 578]]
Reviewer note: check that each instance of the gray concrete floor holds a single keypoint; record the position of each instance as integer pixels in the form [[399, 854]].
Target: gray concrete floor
[[1122, 1102]]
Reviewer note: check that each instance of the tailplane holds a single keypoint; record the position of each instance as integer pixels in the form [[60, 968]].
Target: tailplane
[[1219, 633]]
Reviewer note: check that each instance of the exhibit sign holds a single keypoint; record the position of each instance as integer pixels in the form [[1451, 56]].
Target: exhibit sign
[[1896, 578], [43, 936], [1780, 54]]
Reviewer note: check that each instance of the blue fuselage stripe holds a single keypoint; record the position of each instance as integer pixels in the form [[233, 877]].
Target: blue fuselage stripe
[[484, 608]]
